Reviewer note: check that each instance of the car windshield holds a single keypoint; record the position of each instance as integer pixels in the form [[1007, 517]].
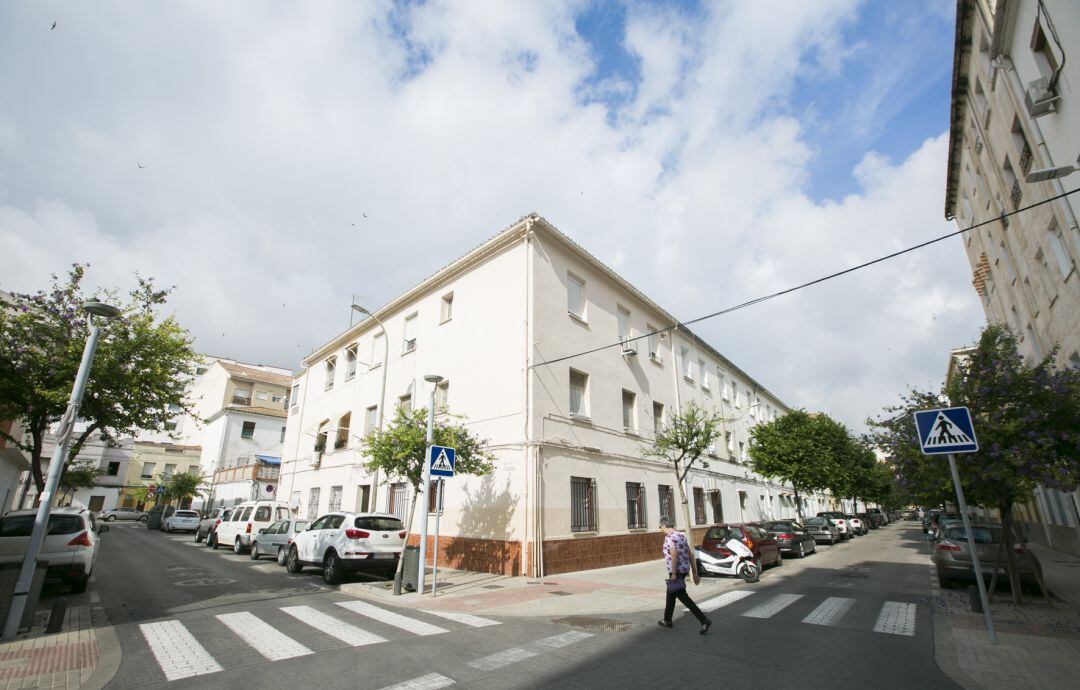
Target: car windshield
[[380, 524], [981, 535], [23, 525]]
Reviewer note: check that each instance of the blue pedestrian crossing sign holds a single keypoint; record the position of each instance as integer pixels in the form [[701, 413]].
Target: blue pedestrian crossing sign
[[161, 488], [946, 430], [441, 461]]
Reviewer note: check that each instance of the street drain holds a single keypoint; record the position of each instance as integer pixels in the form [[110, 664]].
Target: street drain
[[561, 594], [594, 623]]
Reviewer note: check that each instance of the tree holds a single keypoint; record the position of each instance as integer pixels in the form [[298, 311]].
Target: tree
[[140, 367], [400, 450], [183, 486], [82, 474], [809, 451], [1026, 419], [682, 442]]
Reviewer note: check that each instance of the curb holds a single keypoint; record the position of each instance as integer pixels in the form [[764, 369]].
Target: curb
[[109, 655]]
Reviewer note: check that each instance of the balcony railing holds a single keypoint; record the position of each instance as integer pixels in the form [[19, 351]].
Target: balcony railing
[[1025, 159], [260, 471], [1016, 194], [241, 400]]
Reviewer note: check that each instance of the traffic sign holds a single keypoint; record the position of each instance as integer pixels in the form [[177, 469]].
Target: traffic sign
[[161, 489], [441, 460], [151, 489], [946, 430]]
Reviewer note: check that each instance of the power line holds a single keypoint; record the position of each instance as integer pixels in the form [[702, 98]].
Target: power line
[[758, 300]]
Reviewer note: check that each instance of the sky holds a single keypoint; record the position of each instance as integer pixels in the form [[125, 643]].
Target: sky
[[275, 161]]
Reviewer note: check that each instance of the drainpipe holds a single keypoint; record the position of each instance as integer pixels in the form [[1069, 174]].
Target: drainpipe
[[535, 568]]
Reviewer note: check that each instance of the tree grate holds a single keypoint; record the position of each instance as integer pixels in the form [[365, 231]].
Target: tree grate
[[594, 623]]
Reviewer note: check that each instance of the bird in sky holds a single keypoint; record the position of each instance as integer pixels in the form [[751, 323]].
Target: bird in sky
[[53, 26], [363, 214], [141, 166]]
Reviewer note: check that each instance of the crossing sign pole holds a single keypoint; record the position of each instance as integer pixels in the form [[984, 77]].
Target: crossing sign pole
[[949, 431]]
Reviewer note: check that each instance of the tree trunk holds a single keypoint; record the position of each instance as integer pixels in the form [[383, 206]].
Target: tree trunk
[[997, 567], [1010, 556], [408, 531], [35, 462], [798, 503], [686, 517]]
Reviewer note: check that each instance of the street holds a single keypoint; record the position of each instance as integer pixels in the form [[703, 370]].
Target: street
[[192, 617]]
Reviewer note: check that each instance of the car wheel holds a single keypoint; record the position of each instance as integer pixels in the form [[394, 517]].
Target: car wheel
[[198, 537], [832, 541], [292, 563], [79, 586], [255, 551], [779, 559], [332, 569], [802, 551], [281, 555], [238, 547], [944, 582], [212, 541], [111, 518]]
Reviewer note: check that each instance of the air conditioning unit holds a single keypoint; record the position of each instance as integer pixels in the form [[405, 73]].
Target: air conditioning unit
[[1039, 98]]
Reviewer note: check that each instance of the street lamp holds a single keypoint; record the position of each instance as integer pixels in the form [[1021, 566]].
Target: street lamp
[[56, 466], [434, 380]]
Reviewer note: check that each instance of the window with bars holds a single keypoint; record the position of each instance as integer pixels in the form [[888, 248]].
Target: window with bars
[[717, 506], [635, 505], [313, 503], [335, 499], [699, 506], [667, 501], [396, 499], [435, 495], [582, 504]]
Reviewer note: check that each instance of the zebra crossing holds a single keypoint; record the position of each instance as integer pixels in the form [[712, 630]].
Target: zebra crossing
[[893, 618]]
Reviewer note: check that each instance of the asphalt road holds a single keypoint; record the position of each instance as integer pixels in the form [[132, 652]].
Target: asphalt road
[[188, 617]]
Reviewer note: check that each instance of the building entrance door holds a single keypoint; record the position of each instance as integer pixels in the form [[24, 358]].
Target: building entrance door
[[97, 503]]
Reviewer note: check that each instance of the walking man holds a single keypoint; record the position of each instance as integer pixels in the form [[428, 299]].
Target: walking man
[[680, 563]]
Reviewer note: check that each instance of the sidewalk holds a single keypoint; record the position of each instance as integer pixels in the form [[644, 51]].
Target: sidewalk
[[1038, 646], [66, 659]]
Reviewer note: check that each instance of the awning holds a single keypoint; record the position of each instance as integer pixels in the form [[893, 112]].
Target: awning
[[268, 459]]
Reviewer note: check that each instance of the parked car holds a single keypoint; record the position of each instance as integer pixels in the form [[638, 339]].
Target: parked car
[[882, 517], [275, 539], [182, 521], [791, 537], [952, 557], [70, 548], [841, 522], [870, 520], [209, 523], [120, 514], [348, 542], [155, 517], [761, 542], [246, 520], [856, 524], [822, 529]]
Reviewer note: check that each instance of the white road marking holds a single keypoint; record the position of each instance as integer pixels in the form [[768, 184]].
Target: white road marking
[[177, 652], [95, 598], [267, 567], [724, 599], [896, 618], [566, 638], [390, 618], [431, 681], [773, 606], [266, 640], [191, 543], [349, 634], [467, 619], [500, 659], [830, 611]]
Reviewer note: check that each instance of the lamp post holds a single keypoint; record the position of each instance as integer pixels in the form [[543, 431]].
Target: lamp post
[[382, 401], [56, 466], [434, 380]]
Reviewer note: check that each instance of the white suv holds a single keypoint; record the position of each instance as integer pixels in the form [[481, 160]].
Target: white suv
[[340, 542], [245, 521], [70, 547]]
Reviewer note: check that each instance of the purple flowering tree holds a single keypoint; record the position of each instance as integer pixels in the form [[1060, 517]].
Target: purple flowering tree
[[142, 365]]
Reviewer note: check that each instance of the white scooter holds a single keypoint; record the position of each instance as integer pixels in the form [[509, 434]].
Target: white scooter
[[735, 558]]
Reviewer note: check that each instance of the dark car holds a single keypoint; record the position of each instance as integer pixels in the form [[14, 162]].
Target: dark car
[[882, 517], [870, 520], [766, 550], [791, 537], [208, 525]]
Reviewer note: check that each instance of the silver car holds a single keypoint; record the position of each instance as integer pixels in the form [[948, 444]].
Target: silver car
[[120, 514], [822, 529], [275, 539], [952, 557]]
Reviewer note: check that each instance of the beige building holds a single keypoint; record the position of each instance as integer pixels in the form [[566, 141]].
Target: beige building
[[152, 463], [1014, 141]]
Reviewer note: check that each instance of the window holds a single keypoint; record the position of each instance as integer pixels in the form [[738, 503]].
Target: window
[[658, 418], [624, 326], [442, 393], [170, 470], [1057, 247], [277, 397], [371, 419], [721, 383], [579, 391], [147, 471], [717, 506], [687, 365], [378, 350], [313, 503], [262, 395], [363, 498], [434, 494], [331, 368], [170, 426], [295, 500], [350, 362], [742, 452], [335, 499], [248, 430], [735, 394], [654, 344], [704, 374], [282, 439], [294, 397], [113, 470], [320, 437], [635, 505], [629, 413], [174, 408], [728, 444], [262, 514], [342, 440], [404, 402], [199, 371], [408, 343], [446, 308], [1044, 55], [582, 505], [396, 499], [575, 296], [667, 501], [699, 506]]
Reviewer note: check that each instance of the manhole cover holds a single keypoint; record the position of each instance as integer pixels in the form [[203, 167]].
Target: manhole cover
[[594, 623], [561, 593]]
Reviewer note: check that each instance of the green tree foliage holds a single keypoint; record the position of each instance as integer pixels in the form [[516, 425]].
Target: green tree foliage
[[183, 486], [140, 368], [1026, 421], [810, 451], [682, 442], [82, 474]]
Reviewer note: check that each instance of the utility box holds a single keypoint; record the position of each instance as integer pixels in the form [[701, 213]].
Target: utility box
[[9, 577], [408, 569]]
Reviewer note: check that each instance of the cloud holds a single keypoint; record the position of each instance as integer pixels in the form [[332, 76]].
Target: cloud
[[266, 137]]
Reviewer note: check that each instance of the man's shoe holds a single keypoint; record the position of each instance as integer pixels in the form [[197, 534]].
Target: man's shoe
[[664, 624], [705, 627]]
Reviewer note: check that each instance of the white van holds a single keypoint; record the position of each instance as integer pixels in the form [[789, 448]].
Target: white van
[[246, 520]]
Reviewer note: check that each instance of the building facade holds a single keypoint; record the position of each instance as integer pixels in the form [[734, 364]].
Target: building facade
[[1014, 139], [572, 486]]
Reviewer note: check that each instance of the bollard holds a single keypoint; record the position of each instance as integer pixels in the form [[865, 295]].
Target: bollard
[[56, 616], [974, 599]]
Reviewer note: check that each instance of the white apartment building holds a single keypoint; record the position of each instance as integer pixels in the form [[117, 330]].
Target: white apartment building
[[111, 457], [1015, 117], [505, 327]]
